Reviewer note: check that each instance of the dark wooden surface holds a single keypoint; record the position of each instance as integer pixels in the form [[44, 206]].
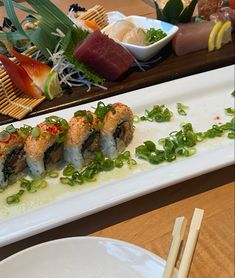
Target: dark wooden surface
[[168, 67]]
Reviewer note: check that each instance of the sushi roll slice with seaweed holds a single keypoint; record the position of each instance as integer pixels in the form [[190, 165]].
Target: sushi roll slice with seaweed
[[44, 147], [116, 129], [12, 155], [83, 139]]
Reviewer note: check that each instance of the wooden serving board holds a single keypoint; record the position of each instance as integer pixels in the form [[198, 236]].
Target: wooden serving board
[[168, 67]]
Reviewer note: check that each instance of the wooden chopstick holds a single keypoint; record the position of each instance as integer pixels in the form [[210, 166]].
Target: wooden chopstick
[[191, 243], [177, 237]]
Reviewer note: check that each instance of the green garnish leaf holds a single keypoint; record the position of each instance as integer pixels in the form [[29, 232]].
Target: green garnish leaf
[[172, 10], [233, 93], [69, 43], [187, 13]]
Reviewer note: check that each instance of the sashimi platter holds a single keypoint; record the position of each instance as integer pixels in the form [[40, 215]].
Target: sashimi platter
[[60, 166]]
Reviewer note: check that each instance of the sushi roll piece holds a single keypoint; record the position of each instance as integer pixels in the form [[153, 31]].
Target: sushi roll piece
[[12, 155], [83, 139], [117, 130], [44, 147]]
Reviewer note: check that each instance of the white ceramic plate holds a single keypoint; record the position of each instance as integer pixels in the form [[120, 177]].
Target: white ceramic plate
[[143, 53], [205, 94], [85, 257]]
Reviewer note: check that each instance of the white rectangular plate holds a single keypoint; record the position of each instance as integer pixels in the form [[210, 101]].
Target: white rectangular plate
[[206, 95]]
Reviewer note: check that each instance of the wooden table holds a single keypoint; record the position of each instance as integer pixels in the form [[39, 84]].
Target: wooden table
[[147, 221]]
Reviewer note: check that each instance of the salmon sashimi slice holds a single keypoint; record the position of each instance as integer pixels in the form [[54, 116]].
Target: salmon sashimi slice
[[20, 77]]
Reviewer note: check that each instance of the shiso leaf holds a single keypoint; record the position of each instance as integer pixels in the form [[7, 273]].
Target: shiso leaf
[[69, 43]]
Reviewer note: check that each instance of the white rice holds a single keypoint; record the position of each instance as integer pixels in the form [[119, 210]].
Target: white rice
[[73, 154]]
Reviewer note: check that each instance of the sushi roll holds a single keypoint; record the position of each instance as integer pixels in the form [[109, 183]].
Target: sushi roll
[[12, 155], [116, 130], [83, 139], [44, 147]]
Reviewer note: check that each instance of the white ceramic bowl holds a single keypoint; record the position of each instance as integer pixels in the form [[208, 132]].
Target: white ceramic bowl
[[144, 53], [83, 257]]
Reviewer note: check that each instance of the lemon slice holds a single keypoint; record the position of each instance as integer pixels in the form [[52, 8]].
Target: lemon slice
[[213, 34], [224, 35], [52, 86]]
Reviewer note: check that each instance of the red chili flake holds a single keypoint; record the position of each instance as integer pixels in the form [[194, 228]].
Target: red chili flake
[[217, 118], [54, 129]]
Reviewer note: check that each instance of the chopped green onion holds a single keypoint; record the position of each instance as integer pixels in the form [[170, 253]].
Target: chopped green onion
[[36, 132], [4, 136], [11, 129], [69, 170], [88, 116], [77, 178], [44, 184], [181, 109], [53, 174], [159, 113], [80, 113], [26, 184], [231, 135], [230, 111], [24, 131], [102, 109], [136, 119], [108, 164], [36, 183], [66, 180], [15, 198]]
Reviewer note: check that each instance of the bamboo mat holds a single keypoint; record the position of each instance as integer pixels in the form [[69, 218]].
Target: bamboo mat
[[13, 102]]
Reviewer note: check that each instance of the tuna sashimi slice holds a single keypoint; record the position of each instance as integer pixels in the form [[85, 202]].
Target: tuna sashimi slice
[[192, 37], [104, 56]]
